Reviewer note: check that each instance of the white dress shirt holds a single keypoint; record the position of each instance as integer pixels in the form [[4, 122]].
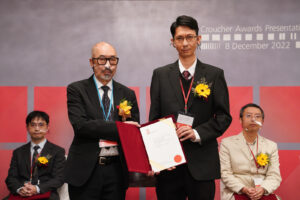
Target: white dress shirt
[[109, 84], [111, 151], [191, 70], [41, 145]]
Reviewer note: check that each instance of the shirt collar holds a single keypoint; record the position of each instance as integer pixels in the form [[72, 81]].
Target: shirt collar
[[191, 69], [99, 84], [254, 142], [41, 144]]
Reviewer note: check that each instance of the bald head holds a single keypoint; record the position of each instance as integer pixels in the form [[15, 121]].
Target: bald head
[[103, 48]]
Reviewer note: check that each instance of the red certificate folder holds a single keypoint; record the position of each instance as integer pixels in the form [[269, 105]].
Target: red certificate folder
[[133, 147]]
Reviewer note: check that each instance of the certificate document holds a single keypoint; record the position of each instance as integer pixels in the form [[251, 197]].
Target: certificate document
[[162, 145]]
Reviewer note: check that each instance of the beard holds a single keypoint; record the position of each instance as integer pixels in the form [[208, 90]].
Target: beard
[[106, 77], [106, 74]]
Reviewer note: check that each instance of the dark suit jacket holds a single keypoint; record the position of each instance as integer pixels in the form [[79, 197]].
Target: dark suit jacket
[[86, 117], [211, 117], [51, 177]]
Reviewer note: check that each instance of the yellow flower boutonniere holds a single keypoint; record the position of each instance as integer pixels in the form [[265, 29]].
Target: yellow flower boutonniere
[[124, 109], [202, 89], [43, 161], [262, 160]]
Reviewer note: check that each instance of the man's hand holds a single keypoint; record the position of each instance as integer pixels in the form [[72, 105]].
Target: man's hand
[[259, 191], [171, 168], [31, 189], [152, 173], [185, 133], [23, 192], [133, 123], [249, 192]]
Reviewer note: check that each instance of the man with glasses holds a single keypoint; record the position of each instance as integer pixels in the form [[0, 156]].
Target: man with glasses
[[37, 167], [196, 94], [249, 161], [95, 167]]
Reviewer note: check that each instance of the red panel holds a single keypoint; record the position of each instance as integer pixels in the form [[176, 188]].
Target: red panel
[[150, 193], [238, 97], [137, 93], [53, 100], [290, 172], [281, 105], [133, 193], [13, 111], [217, 193], [5, 156]]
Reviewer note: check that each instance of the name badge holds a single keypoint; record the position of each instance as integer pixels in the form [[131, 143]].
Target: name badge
[[257, 181], [184, 120]]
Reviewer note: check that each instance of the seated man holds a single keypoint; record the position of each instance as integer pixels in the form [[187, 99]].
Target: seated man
[[36, 167], [249, 162]]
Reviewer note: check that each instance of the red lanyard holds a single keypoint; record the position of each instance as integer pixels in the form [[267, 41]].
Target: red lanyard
[[186, 98], [256, 164]]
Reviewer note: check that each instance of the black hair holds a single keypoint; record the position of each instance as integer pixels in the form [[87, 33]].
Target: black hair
[[251, 105], [184, 20], [37, 114]]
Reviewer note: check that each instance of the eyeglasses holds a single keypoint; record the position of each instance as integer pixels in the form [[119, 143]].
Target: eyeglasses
[[41, 125], [250, 116], [102, 60], [189, 38]]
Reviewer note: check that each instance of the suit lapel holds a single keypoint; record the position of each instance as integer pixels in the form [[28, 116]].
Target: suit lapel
[[244, 148], [27, 156], [261, 141], [175, 84], [94, 98], [199, 73], [46, 149], [117, 95]]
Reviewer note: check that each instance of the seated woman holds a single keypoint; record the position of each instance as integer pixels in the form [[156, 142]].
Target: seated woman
[[249, 162]]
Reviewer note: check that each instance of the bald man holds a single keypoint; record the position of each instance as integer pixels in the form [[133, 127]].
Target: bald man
[[95, 167]]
